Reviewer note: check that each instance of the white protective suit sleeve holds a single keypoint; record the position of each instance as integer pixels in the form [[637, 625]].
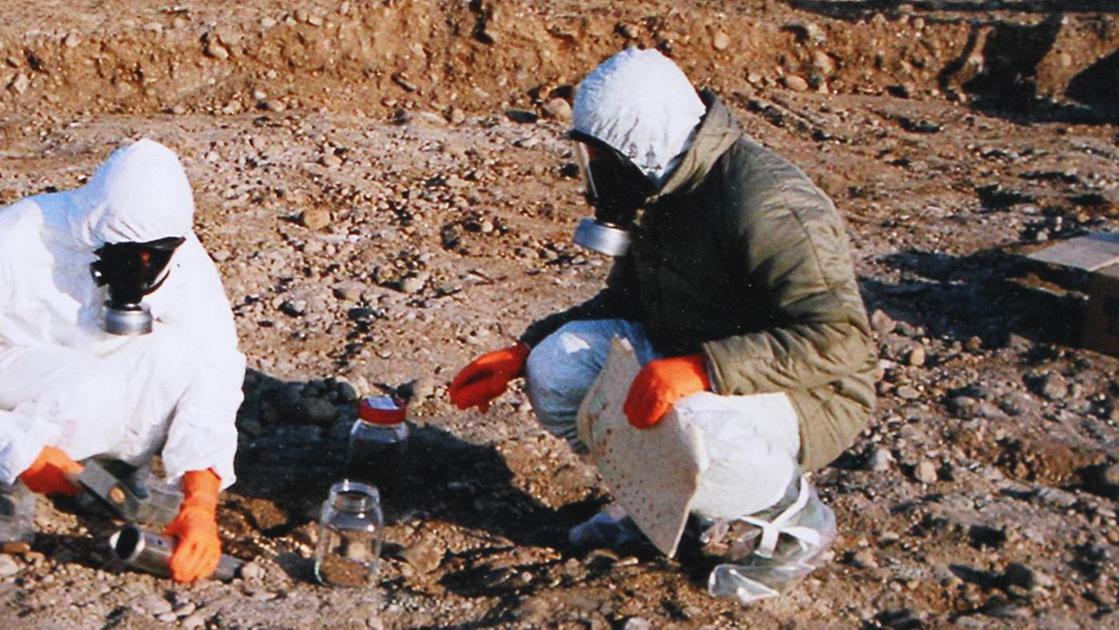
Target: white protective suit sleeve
[[203, 432]]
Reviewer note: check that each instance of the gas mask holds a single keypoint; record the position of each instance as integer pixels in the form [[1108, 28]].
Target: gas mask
[[131, 271], [616, 188]]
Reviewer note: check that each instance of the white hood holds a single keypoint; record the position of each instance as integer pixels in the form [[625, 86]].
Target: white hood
[[139, 194], [641, 104]]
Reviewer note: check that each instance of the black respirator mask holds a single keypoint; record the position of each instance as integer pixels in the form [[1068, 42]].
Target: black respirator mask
[[616, 188], [131, 271]]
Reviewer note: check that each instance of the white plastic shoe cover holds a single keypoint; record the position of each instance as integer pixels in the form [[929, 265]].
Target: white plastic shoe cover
[[769, 556]]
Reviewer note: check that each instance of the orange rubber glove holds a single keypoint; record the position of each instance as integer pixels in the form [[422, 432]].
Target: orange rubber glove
[[487, 377], [660, 384], [198, 549], [47, 474]]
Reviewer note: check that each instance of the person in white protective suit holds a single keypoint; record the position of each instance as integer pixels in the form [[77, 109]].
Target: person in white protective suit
[[70, 390], [733, 284]]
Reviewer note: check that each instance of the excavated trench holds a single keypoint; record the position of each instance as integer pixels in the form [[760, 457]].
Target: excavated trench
[[379, 58]]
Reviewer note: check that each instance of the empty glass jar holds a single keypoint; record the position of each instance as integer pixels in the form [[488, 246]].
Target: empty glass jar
[[350, 533]]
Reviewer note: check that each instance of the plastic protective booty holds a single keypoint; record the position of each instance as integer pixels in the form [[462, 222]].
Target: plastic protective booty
[[765, 554], [17, 513], [609, 529]]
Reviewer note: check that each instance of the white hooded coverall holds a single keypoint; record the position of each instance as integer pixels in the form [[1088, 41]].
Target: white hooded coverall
[[64, 382]]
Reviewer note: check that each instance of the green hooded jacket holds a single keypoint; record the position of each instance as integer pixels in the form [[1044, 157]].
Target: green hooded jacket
[[740, 257]]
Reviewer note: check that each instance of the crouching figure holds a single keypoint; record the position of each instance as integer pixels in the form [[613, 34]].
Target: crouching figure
[[733, 284], [117, 343]]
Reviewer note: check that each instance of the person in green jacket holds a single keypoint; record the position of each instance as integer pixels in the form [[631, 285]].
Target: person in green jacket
[[733, 276]]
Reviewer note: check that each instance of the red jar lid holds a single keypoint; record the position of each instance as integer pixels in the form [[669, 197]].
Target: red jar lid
[[381, 410]]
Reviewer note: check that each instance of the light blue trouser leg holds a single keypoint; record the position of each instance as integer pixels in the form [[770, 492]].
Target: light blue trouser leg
[[563, 367]]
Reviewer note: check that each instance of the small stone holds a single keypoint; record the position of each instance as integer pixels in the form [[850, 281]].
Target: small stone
[[8, 566], [1052, 386], [558, 109], [412, 284], [155, 605], [879, 460], [293, 308], [882, 323], [185, 609], [864, 559], [345, 392], [795, 83], [823, 62], [925, 472], [350, 291], [423, 556], [197, 620], [1110, 475], [522, 116], [637, 623], [330, 160], [916, 356], [215, 49], [315, 218], [319, 411], [807, 32], [720, 41], [251, 571], [167, 617], [628, 31], [1043, 580], [962, 406], [908, 392], [20, 84]]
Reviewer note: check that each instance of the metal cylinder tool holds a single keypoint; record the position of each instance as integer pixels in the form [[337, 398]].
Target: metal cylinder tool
[[150, 552]]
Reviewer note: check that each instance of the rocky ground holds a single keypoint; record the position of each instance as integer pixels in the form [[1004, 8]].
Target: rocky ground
[[386, 191]]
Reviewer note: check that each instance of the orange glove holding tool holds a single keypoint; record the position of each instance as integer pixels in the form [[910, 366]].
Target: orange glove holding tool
[[48, 473], [487, 377], [198, 551], [660, 384]]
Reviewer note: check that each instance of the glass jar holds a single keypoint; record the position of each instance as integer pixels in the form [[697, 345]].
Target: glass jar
[[351, 529], [378, 443]]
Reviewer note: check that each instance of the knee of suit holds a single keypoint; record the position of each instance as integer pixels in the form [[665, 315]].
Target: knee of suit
[[562, 367]]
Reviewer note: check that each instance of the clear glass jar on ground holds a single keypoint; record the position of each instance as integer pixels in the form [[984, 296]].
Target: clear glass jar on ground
[[378, 443], [351, 530]]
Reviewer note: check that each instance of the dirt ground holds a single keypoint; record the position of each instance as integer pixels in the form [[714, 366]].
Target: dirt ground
[[386, 190]]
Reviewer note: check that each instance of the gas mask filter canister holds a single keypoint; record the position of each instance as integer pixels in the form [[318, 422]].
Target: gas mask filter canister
[[616, 188], [131, 271]]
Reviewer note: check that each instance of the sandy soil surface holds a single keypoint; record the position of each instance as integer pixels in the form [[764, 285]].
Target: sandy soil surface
[[386, 190]]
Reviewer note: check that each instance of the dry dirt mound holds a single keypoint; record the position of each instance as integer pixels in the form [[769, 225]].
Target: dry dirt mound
[[378, 57]]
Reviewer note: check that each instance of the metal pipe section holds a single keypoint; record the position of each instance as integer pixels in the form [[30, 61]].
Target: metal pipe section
[[150, 552]]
